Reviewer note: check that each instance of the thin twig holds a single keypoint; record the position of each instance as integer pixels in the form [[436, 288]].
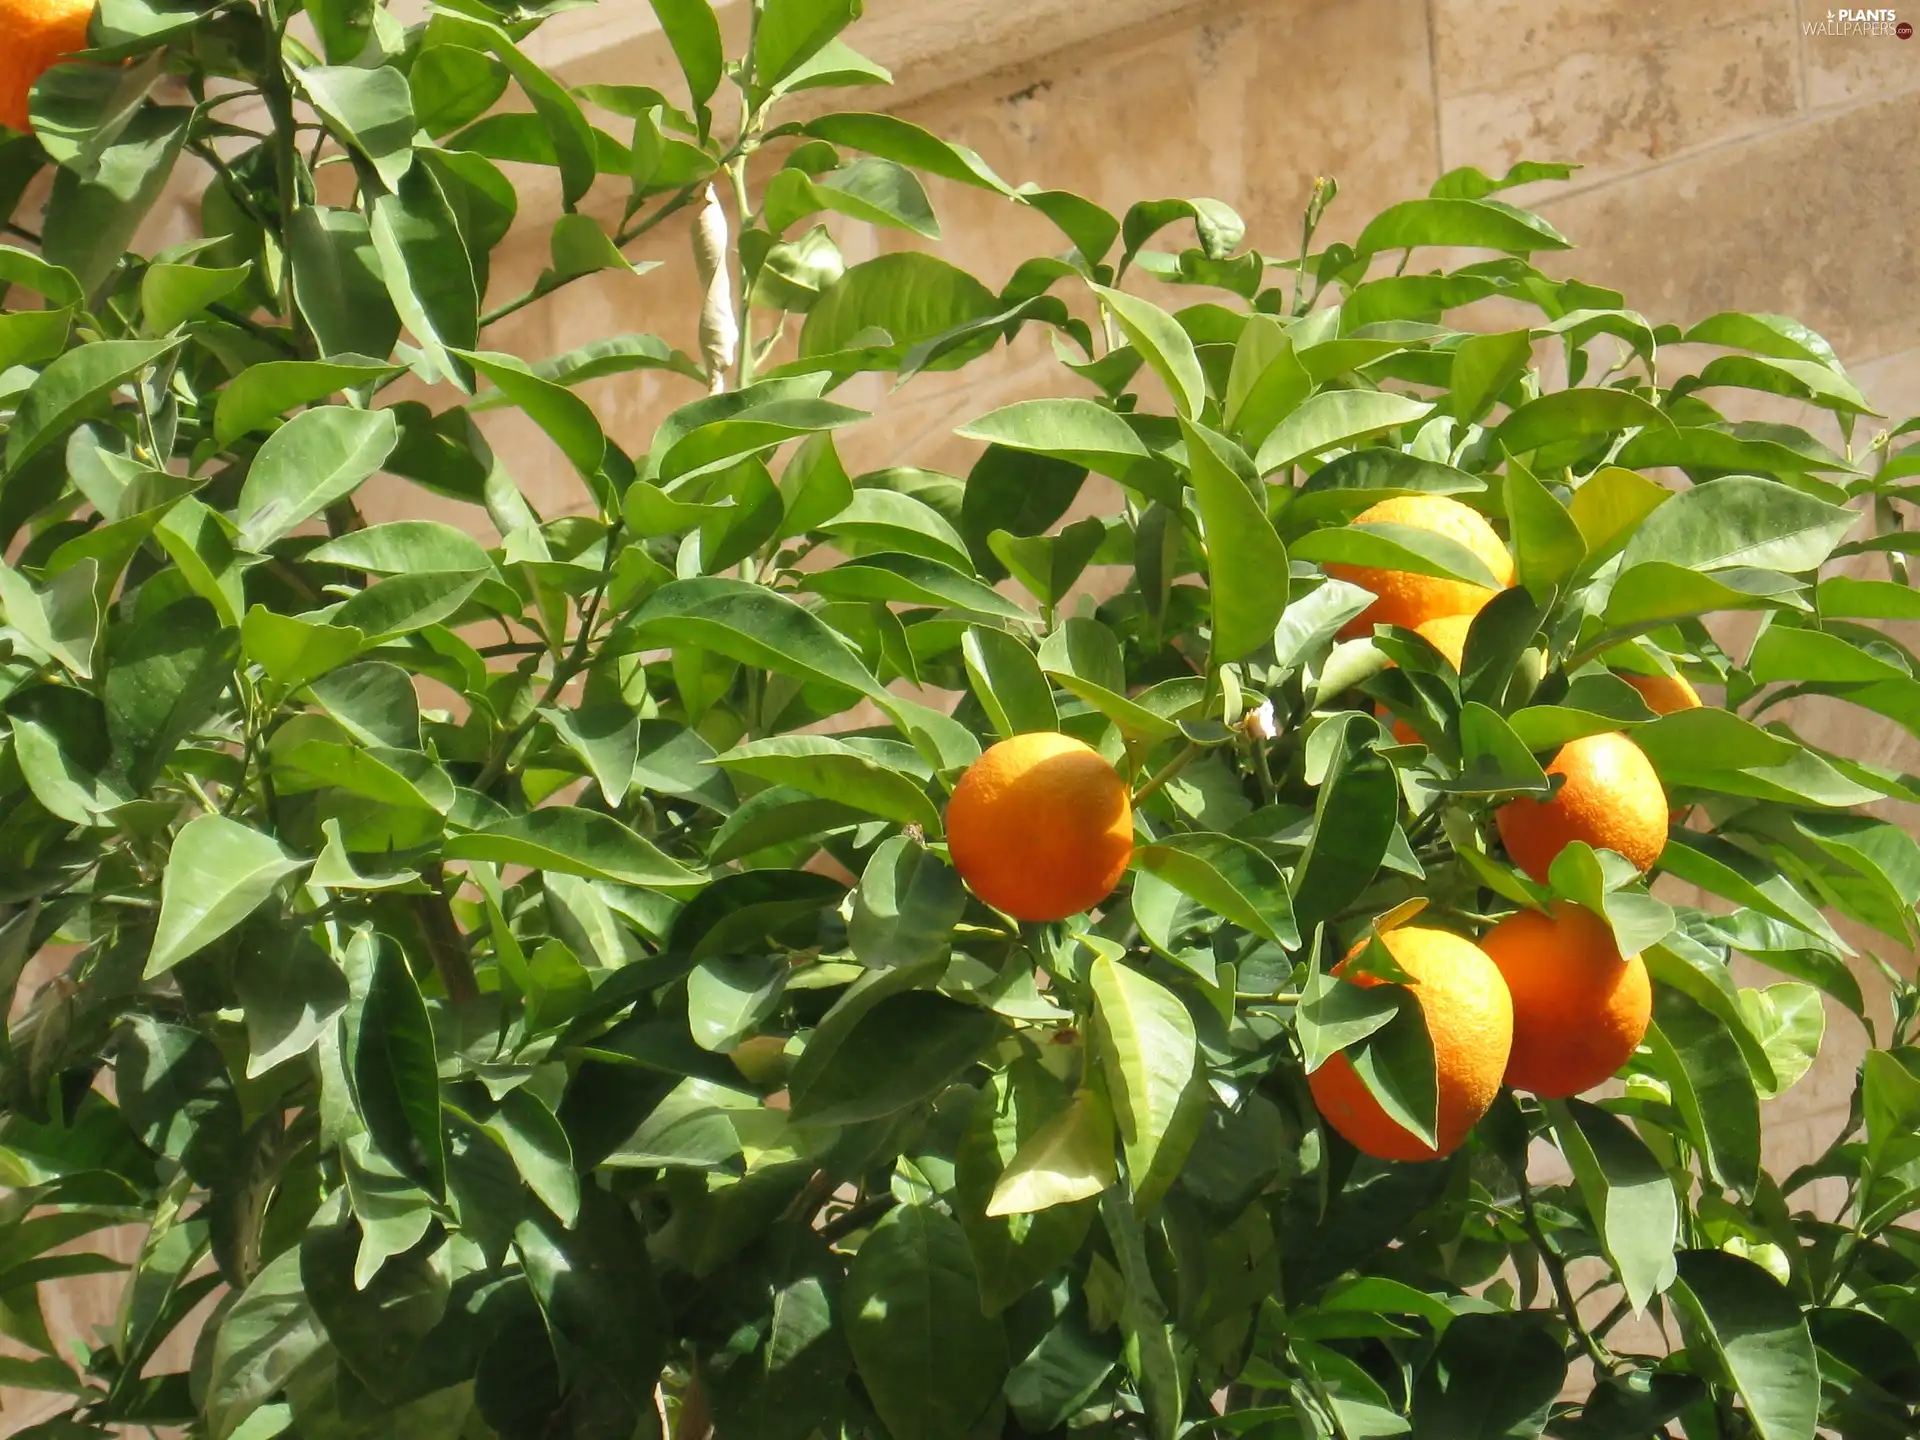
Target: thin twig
[[1556, 1269]]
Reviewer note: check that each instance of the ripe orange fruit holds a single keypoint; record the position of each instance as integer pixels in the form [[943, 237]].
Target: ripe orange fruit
[[1664, 694], [1404, 598], [1611, 799], [35, 35], [1470, 1019], [1041, 826], [1448, 635], [1579, 1010]]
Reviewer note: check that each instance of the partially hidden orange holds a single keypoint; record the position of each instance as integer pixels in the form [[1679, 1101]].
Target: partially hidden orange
[[1448, 635], [1579, 1009], [35, 35], [1469, 1017], [1611, 798], [1041, 826], [1665, 694], [1404, 598]]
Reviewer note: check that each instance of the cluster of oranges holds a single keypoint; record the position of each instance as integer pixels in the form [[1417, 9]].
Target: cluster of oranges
[[1041, 827]]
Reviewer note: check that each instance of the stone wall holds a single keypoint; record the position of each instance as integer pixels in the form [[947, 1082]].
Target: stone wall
[[1732, 162]]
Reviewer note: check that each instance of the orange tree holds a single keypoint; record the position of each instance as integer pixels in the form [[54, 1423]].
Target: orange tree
[[600, 1038]]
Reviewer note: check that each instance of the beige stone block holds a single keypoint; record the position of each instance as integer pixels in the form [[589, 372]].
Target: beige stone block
[[1610, 84], [1808, 221], [1844, 68]]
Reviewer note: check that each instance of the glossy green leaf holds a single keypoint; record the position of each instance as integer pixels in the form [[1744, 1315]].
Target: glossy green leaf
[[218, 873], [1752, 1332], [930, 1360], [316, 458], [1627, 1191], [1335, 417], [1148, 1055]]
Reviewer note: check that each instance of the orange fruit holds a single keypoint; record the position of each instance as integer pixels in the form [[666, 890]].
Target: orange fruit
[[35, 35], [1611, 799], [1664, 694], [1041, 826], [1448, 635], [1470, 1019], [1403, 598], [1579, 1010]]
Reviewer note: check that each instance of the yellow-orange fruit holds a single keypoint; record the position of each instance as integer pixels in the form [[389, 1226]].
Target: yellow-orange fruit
[[1611, 799], [35, 35], [1579, 1010], [1470, 1019], [1041, 826], [1448, 635], [1403, 598], [1664, 694]]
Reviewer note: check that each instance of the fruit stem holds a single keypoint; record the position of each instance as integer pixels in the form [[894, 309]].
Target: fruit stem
[[1166, 772]]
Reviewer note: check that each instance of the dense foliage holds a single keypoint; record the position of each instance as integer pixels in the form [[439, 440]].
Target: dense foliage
[[456, 977]]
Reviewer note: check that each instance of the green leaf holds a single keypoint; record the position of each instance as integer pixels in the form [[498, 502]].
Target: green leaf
[[1719, 866], [390, 1053], [1069, 1158], [407, 603], [1150, 1058], [269, 1338], [92, 218], [1751, 1331], [572, 137], [1165, 346], [567, 419], [291, 992], [1385, 545], [1627, 1191], [1656, 592], [694, 34], [1711, 1086], [1446, 221], [1216, 226], [1230, 878], [911, 297], [911, 580], [901, 1052], [1788, 1019], [596, 1288], [1246, 563], [1335, 417], [528, 1131], [259, 395], [218, 873], [748, 623], [62, 620], [907, 143], [1048, 565], [1741, 520], [875, 191], [1575, 415], [172, 294], [1080, 432], [339, 286], [167, 676], [867, 774], [73, 386], [1483, 367], [929, 1359], [370, 111], [1007, 681], [1015, 1252], [400, 546], [1609, 507], [1355, 815], [573, 841], [1335, 1013], [1493, 757], [1492, 1377], [1547, 542], [790, 33], [426, 268], [906, 906], [316, 458]]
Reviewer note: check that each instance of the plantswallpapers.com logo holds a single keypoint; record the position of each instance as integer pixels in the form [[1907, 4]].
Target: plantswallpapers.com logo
[[1859, 22]]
